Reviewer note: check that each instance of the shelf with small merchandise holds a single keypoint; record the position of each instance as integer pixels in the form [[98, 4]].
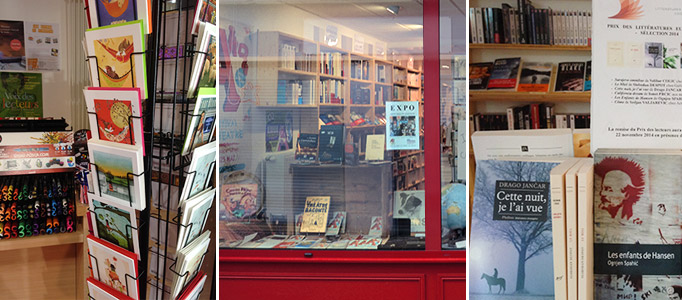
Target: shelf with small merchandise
[[514, 96]]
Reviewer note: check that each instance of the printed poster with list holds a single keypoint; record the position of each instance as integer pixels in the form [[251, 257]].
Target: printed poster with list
[[637, 88]]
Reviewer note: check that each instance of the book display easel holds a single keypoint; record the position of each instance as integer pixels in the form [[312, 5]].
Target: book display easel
[[151, 158]]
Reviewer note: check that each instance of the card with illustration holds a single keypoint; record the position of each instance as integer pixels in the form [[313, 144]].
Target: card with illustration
[[116, 167], [114, 267], [115, 224], [110, 12], [203, 119], [100, 291], [204, 69], [205, 12], [110, 55], [194, 288], [116, 113], [200, 170], [194, 214]]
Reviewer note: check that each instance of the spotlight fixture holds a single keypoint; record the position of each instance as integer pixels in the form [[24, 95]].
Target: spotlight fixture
[[394, 9]]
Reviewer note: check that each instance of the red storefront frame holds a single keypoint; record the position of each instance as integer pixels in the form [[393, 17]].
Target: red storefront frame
[[307, 274]]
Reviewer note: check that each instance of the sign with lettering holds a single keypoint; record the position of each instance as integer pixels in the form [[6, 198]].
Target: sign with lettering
[[402, 125], [521, 201]]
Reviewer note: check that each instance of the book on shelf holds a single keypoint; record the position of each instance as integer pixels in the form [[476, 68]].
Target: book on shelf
[[570, 77], [505, 73], [306, 147], [331, 63], [359, 69], [528, 24], [330, 149], [511, 213], [360, 93], [588, 76], [535, 77], [332, 92], [299, 92], [479, 74], [531, 116], [381, 73]]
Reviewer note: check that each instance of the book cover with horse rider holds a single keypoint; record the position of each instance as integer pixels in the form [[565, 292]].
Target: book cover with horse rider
[[510, 255]]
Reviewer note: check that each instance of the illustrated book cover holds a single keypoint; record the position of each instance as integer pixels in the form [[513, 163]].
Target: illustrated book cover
[[570, 77], [315, 214], [505, 73], [479, 74], [511, 214], [637, 234], [535, 77]]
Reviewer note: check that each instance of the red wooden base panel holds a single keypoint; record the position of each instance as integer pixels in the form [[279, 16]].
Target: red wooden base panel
[[312, 281]]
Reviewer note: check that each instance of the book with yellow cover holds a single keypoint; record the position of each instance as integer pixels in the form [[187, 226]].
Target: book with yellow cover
[[315, 214]]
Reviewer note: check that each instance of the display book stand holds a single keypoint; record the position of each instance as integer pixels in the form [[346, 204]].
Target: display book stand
[[158, 142]]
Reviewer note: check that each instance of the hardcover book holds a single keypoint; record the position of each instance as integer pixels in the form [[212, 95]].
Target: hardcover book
[[570, 77], [535, 77], [636, 219], [331, 143], [505, 73], [315, 214], [479, 74], [512, 214]]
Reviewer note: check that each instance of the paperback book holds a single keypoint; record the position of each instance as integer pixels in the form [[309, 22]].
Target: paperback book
[[479, 74], [512, 214], [535, 77], [570, 77], [315, 214], [505, 73]]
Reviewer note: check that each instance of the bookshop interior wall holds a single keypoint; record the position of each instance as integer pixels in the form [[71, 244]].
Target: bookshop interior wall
[[119, 211], [326, 115]]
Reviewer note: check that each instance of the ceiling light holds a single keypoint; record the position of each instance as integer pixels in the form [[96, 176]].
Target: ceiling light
[[394, 9], [445, 67]]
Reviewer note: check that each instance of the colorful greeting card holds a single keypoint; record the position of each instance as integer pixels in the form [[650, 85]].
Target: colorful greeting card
[[205, 12], [203, 119], [115, 224], [116, 113], [116, 167], [114, 267], [200, 170], [204, 69], [194, 214], [100, 291], [109, 12], [112, 62], [21, 93], [12, 48]]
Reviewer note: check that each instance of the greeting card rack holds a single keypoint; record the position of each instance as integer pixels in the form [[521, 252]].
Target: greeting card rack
[[169, 113]]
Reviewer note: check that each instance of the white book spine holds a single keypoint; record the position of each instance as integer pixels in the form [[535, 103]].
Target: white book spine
[[575, 28], [585, 231], [558, 194], [585, 28], [572, 231], [555, 24], [479, 25], [510, 118], [572, 122], [473, 31]]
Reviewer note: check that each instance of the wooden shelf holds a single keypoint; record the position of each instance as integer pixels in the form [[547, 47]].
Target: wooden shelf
[[332, 105], [413, 70], [361, 105], [297, 72], [384, 83], [327, 76], [530, 47], [399, 83], [363, 127], [512, 96], [362, 81], [42, 241], [290, 106], [413, 86]]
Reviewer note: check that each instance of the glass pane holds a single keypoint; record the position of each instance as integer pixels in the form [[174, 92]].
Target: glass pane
[[321, 133], [453, 68]]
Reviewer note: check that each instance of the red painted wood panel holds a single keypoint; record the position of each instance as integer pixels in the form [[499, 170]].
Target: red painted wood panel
[[345, 287], [452, 286]]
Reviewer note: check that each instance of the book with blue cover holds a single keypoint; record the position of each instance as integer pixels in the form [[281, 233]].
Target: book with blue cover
[[511, 231]]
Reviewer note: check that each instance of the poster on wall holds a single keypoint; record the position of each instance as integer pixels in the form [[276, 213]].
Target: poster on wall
[[636, 89], [238, 93], [21, 94], [12, 47], [42, 46], [402, 125], [279, 131]]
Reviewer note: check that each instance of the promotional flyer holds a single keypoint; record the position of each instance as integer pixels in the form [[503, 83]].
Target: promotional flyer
[[402, 125]]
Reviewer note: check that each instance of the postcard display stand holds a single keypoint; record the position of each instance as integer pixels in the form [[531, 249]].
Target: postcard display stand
[[157, 219]]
